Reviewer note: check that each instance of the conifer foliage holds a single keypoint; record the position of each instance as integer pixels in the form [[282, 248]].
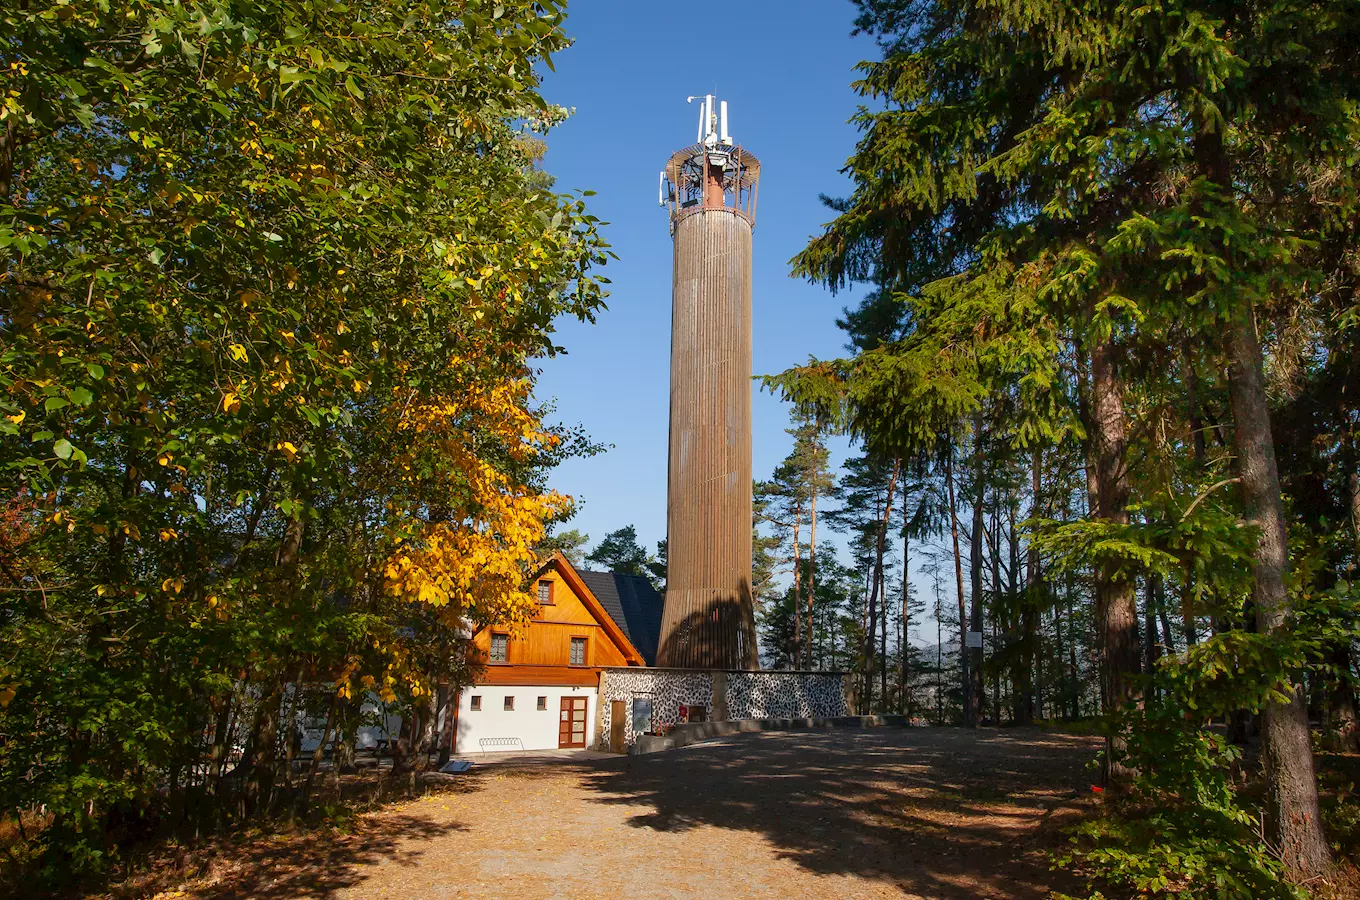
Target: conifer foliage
[[1117, 240]]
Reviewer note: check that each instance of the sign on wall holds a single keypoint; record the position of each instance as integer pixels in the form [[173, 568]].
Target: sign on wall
[[642, 714]]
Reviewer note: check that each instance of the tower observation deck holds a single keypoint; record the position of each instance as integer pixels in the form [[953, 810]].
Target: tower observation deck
[[710, 191]]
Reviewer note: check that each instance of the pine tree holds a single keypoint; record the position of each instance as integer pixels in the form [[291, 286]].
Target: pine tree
[[1059, 197]]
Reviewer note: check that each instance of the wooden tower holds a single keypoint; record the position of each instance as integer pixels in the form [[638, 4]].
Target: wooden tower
[[710, 190]]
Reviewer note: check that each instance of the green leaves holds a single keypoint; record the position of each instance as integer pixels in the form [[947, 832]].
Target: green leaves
[[223, 309]]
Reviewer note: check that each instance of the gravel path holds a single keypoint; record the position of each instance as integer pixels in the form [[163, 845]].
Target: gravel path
[[916, 813]]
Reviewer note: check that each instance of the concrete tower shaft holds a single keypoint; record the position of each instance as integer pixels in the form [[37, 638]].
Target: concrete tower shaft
[[709, 619]]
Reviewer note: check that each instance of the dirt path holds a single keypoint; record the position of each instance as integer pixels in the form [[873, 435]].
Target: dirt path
[[919, 813]]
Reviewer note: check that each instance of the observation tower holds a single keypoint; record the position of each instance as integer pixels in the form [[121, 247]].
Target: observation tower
[[709, 188]]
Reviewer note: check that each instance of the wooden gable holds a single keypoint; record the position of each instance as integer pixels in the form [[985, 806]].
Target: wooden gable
[[572, 622]]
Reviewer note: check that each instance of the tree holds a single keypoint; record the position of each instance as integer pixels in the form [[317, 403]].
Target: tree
[[1060, 199], [657, 566], [274, 276], [620, 552], [789, 501], [571, 543]]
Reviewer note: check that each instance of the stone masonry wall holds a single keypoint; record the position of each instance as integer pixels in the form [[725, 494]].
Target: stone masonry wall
[[745, 695], [784, 695]]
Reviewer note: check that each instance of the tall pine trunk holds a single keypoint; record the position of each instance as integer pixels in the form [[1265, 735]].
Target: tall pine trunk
[[999, 624], [905, 641], [812, 567], [875, 592], [1343, 723], [797, 588], [1292, 820], [978, 689], [1116, 603], [1029, 610], [965, 681]]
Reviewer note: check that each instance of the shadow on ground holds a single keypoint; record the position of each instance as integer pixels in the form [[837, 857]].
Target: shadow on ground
[[317, 868], [941, 813]]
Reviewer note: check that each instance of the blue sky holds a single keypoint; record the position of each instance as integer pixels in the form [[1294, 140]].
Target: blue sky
[[785, 69]]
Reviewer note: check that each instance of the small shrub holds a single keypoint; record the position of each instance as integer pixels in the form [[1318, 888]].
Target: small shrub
[[1178, 829]]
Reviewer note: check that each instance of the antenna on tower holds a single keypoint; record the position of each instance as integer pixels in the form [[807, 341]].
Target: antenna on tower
[[712, 120], [713, 171]]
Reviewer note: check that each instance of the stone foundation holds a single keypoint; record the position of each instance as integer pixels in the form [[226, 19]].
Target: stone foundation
[[724, 695]]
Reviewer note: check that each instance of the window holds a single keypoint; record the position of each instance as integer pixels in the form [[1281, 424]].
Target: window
[[545, 593], [542, 702], [476, 703], [509, 704], [578, 651], [500, 648]]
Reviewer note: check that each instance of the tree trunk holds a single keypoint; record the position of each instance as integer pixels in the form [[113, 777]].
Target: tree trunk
[[1029, 615], [1292, 820], [263, 743], [265, 734], [939, 656], [1343, 726], [877, 582], [1192, 407], [1152, 649], [1001, 625], [812, 557], [968, 719], [1343, 731], [1116, 604], [319, 753], [446, 701], [905, 641], [883, 634], [978, 689], [797, 589], [1167, 640]]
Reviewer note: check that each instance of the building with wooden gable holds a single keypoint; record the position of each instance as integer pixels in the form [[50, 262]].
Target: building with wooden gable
[[540, 683]]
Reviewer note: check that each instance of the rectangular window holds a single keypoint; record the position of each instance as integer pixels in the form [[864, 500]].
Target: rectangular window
[[509, 704], [545, 593], [500, 648], [578, 651], [542, 702], [476, 703]]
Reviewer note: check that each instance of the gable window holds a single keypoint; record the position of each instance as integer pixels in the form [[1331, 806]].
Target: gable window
[[476, 703], [545, 592], [510, 704], [500, 648], [542, 702], [578, 651]]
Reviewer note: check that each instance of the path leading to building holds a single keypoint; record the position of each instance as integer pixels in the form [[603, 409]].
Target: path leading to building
[[917, 813]]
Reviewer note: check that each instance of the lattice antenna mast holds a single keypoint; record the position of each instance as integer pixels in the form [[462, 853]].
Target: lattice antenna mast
[[712, 172]]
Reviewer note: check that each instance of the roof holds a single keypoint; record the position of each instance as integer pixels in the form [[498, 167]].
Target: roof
[[633, 604]]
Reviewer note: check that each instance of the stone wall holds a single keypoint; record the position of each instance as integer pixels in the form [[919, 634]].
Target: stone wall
[[727, 695], [784, 695]]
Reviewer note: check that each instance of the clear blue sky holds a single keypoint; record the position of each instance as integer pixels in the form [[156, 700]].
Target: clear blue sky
[[785, 69]]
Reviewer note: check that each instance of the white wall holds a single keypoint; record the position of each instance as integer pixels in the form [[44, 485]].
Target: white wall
[[536, 729], [384, 727]]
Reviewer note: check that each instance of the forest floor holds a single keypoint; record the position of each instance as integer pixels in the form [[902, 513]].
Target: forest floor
[[944, 814]]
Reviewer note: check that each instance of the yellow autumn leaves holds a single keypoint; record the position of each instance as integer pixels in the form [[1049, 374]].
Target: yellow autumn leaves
[[476, 558]]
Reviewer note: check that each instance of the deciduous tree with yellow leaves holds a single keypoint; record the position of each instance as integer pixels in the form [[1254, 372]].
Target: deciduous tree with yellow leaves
[[274, 273]]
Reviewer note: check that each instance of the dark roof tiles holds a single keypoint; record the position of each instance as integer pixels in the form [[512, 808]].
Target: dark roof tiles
[[633, 604]]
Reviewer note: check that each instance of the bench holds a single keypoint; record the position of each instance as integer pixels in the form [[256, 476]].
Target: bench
[[491, 745]]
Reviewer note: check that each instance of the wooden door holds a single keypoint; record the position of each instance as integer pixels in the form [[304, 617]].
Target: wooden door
[[618, 712], [571, 728]]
